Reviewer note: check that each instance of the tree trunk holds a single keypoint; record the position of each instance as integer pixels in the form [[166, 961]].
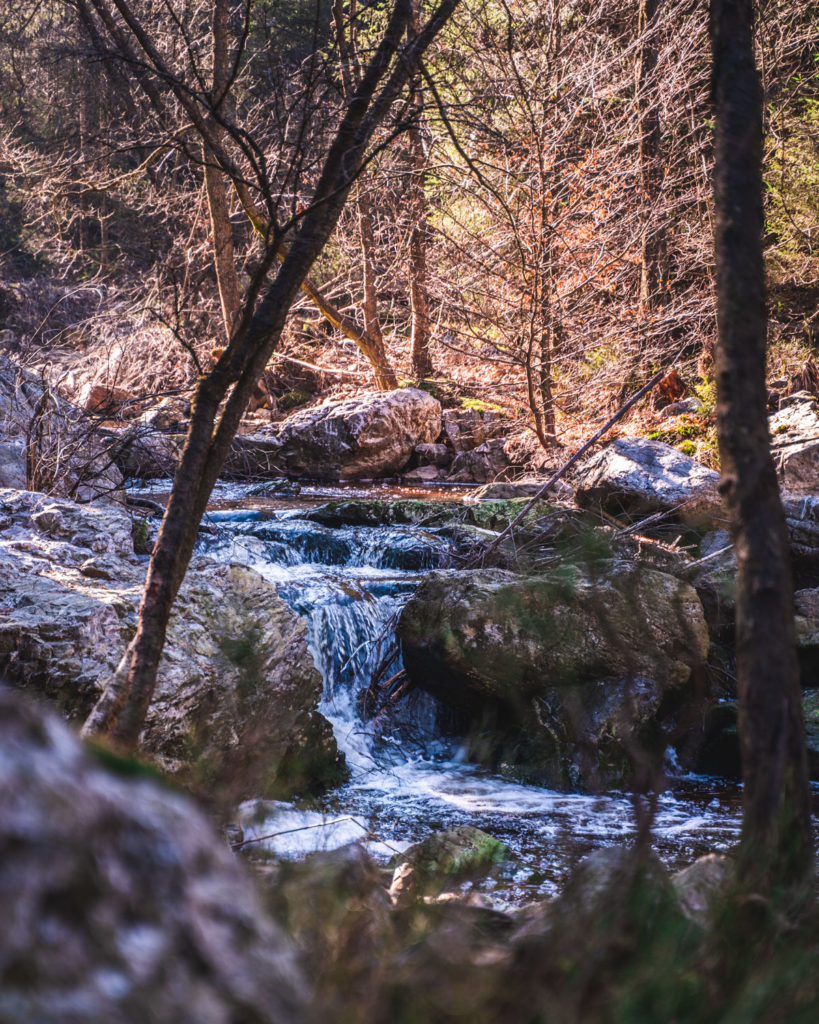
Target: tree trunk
[[216, 187], [420, 332], [376, 352], [370, 341], [547, 399], [776, 854], [654, 268]]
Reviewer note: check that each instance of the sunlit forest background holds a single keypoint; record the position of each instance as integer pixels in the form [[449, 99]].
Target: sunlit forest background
[[533, 232]]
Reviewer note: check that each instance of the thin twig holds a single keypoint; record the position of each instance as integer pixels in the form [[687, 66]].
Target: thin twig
[[301, 828]]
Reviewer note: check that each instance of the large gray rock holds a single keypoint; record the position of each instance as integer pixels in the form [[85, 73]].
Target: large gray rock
[[54, 447], [485, 464], [795, 446], [120, 903], [235, 708], [370, 436], [636, 476], [468, 428], [802, 521], [558, 677]]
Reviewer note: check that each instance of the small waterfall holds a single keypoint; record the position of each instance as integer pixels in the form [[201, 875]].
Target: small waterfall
[[349, 584]]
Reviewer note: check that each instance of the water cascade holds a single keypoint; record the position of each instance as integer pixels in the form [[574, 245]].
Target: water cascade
[[406, 779]]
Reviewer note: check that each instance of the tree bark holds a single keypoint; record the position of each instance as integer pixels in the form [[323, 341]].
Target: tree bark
[[653, 258], [216, 187], [420, 333], [376, 351], [371, 339], [120, 713], [776, 855]]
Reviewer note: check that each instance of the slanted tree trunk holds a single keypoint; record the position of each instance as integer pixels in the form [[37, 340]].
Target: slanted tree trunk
[[120, 713], [654, 263], [420, 332], [776, 854]]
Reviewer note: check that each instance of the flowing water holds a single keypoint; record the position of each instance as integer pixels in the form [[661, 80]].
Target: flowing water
[[406, 779]]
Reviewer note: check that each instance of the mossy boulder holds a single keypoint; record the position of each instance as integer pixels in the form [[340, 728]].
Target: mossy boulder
[[235, 710], [557, 678], [443, 861]]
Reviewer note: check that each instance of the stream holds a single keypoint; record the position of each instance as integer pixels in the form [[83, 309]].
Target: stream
[[406, 778]]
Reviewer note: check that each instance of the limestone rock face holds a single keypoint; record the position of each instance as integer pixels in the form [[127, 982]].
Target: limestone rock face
[[120, 902], [235, 707], [795, 446], [370, 436], [69, 456], [637, 477], [556, 675]]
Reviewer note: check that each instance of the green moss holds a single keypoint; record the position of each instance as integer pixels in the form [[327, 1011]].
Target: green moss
[[480, 406], [706, 392], [682, 427], [291, 399], [485, 853], [141, 536], [243, 652], [124, 765]]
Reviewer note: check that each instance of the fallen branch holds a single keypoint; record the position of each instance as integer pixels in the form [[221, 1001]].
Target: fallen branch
[[553, 479], [707, 558], [300, 828], [154, 507]]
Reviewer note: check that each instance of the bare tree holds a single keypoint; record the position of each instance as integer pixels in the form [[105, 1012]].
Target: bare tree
[[222, 394], [776, 855]]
